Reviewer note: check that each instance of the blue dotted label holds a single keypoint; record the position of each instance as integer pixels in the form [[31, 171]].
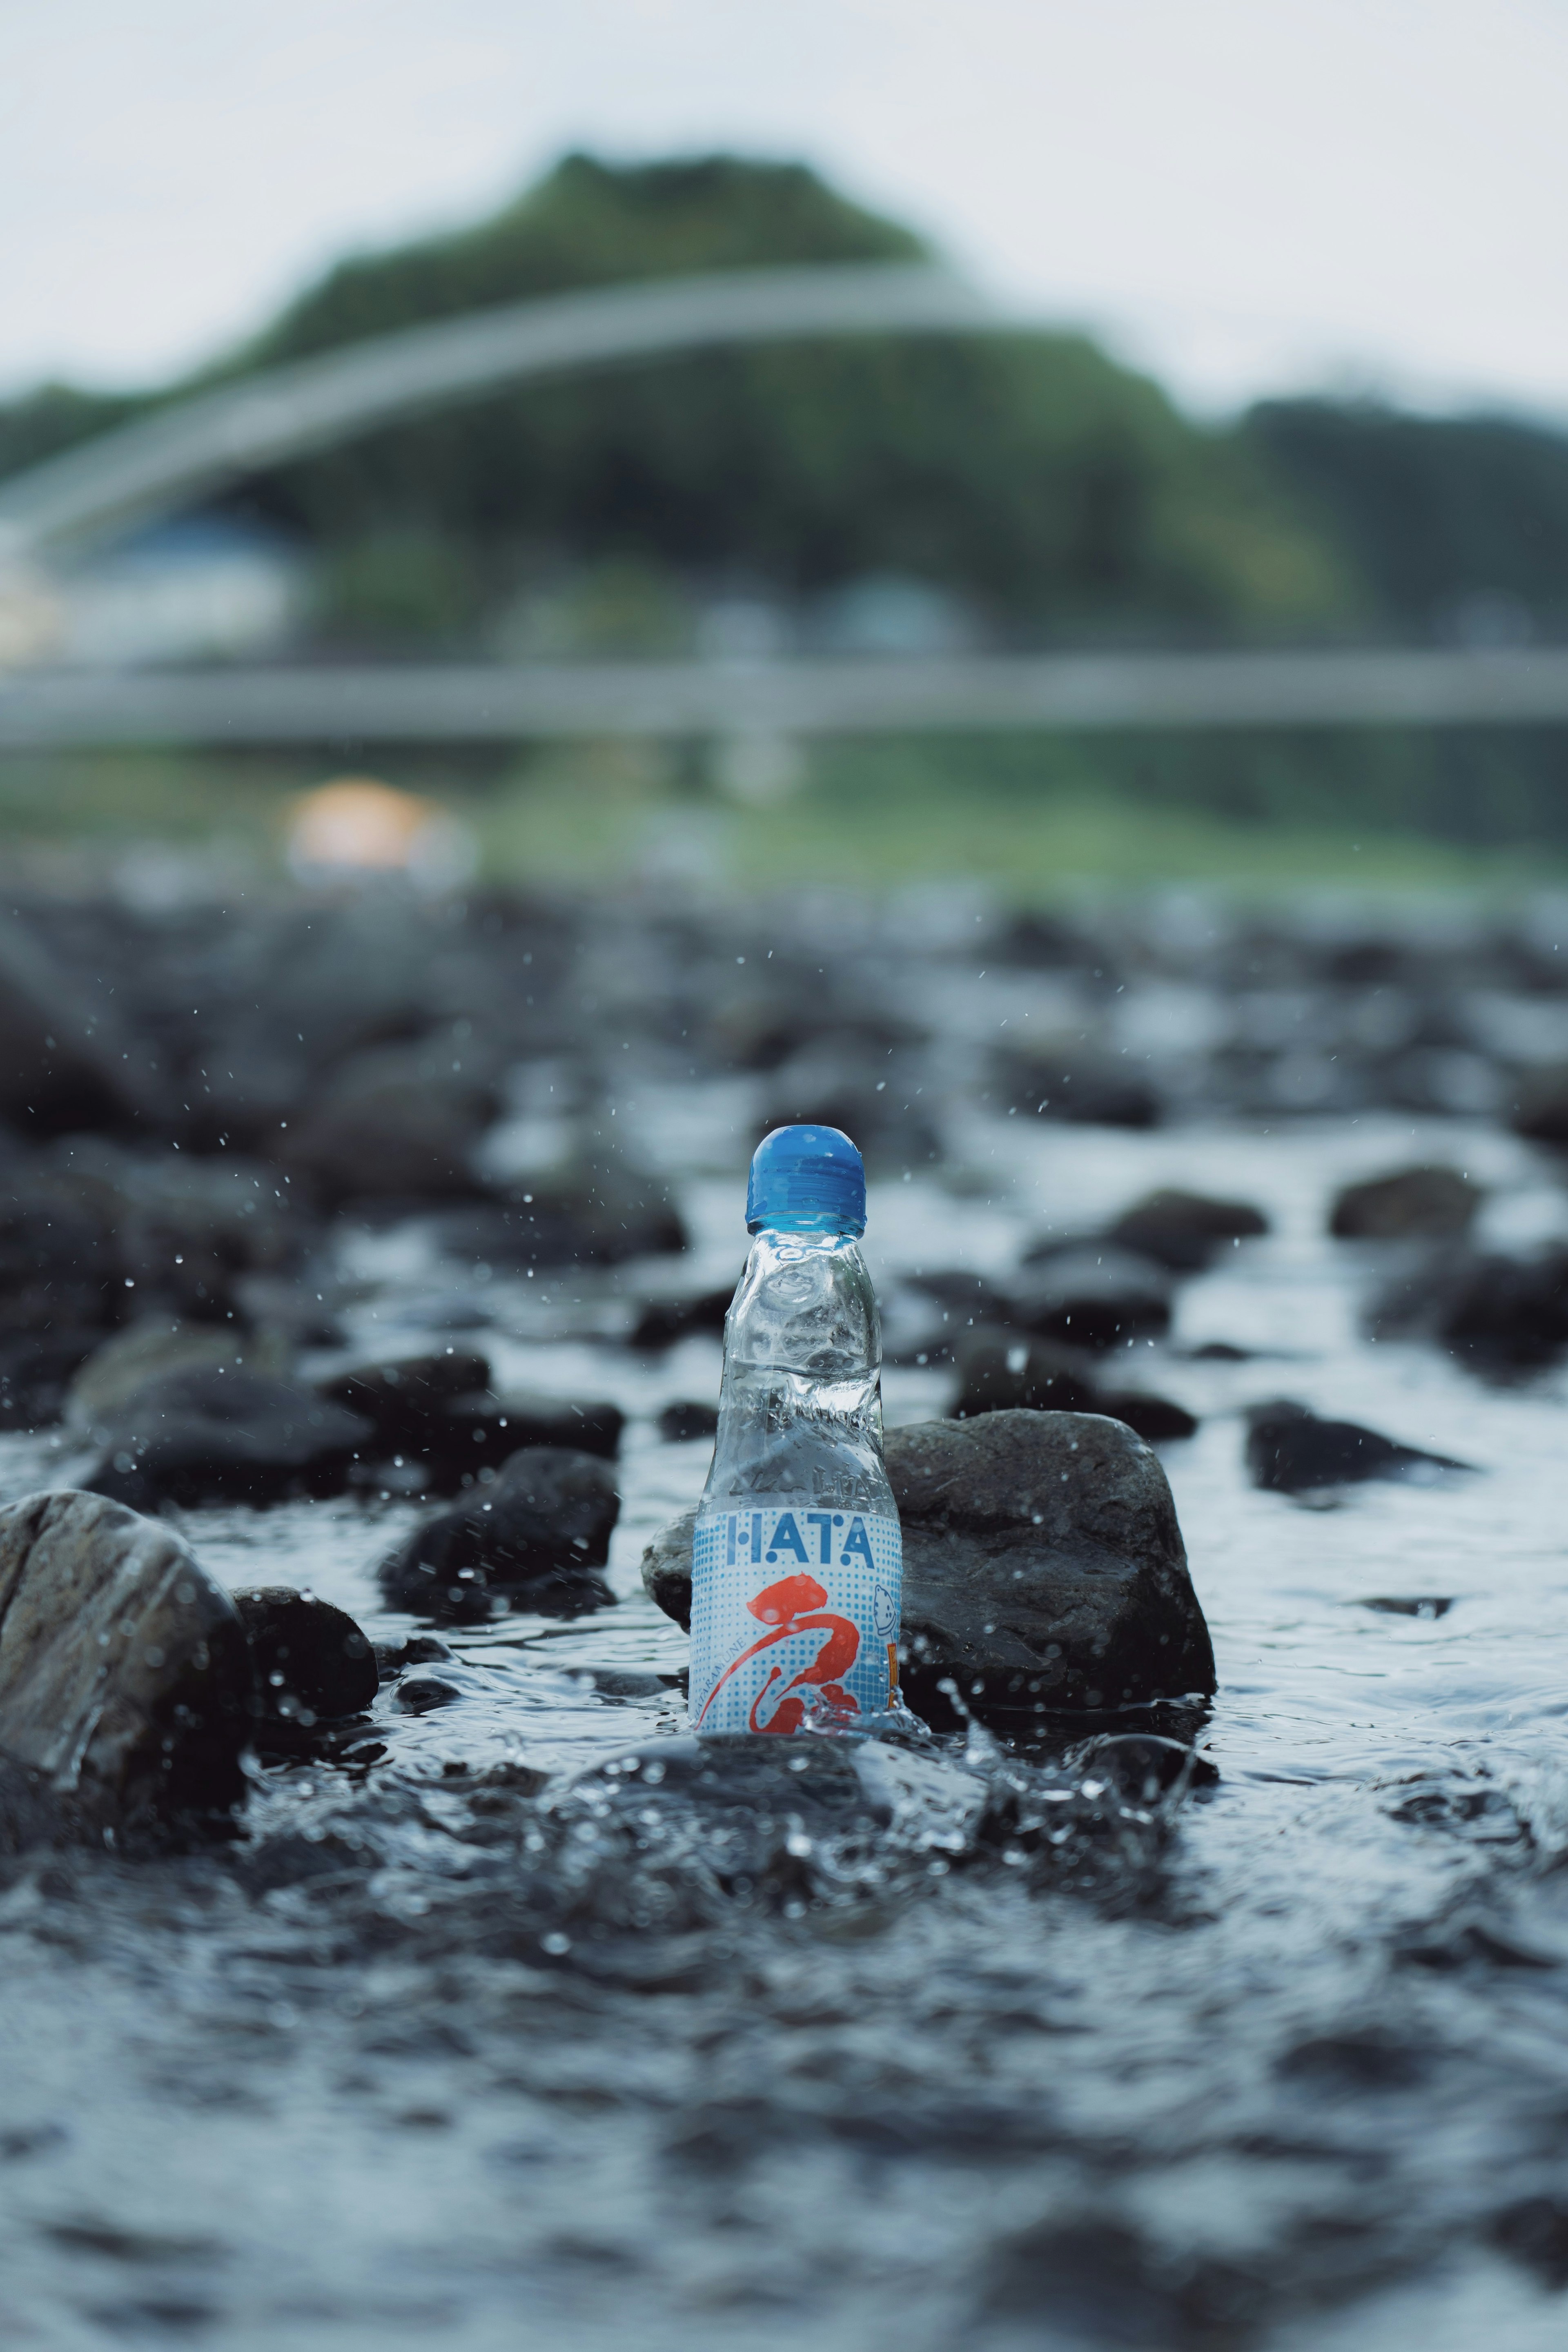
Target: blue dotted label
[[795, 1614]]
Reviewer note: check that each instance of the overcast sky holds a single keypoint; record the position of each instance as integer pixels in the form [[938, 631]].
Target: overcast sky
[[1244, 195]]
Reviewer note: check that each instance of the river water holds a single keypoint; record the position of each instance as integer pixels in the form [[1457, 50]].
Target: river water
[[465, 2041]]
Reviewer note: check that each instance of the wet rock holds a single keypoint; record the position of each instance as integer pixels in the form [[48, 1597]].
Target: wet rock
[[667, 1569], [1291, 1451], [125, 1682], [313, 1662], [398, 1123], [1087, 1090], [1156, 1419], [423, 1693], [1534, 2231], [1089, 1295], [114, 1375], [1186, 1230], [65, 1063], [439, 1414], [1142, 1768], [59, 1265], [187, 1231], [597, 1211], [209, 1435], [998, 1373], [1429, 1606], [661, 1322], [536, 1537], [685, 1423], [1412, 1203], [392, 1658], [1539, 1108], [877, 1100], [1044, 1569], [1500, 1313], [36, 1373]]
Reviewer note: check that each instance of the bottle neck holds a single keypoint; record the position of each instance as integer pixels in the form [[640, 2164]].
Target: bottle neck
[[819, 1222]]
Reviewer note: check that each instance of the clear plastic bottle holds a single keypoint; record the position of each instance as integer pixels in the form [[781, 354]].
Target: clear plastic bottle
[[798, 1556]]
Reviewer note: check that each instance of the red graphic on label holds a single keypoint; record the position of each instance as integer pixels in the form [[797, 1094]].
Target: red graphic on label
[[789, 1606]]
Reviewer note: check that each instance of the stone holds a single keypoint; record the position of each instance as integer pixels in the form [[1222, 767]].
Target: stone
[[187, 1230], [59, 1265], [536, 1536], [398, 1122], [65, 1062], [1424, 1203], [423, 1693], [999, 1372], [118, 1369], [313, 1663], [206, 1434], [1290, 1451], [874, 1097], [1043, 1571], [661, 1322], [1089, 1295], [125, 1680], [1186, 1230], [1500, 1313], [1539, 1108], [667, 1569], [593, 1211], [1156, 1419], [685, 1423], [439, 1415], [1084, 1089]]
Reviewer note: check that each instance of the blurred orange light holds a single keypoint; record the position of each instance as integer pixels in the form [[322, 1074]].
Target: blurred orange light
[[357, 825]]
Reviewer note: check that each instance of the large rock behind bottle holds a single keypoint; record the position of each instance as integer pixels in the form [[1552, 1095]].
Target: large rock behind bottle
[[1044, 1570]]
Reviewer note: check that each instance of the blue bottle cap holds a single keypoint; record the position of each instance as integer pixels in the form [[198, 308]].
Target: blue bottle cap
[[806, 1180]]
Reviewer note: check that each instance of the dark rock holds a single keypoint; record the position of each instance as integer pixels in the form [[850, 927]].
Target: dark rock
[[313, 1662], [399, 1397], [1088, 1090], [1429, 1606], [1291, 1452], [1534, 2231], [186, 1230], [399, 1123], [421, 1694], [1142, 1768], [667, 1569], [1539, 1106], [36, 1373], [1001, 1373], [59, 1265], [65, 1063], [439, 1416], [684, 1423], [1089, 1295], [1184, 1230], [535, 1535], [1044, 1569], [208, 1436], [108, 1384], [125, 1682], [1155, 1418], [662, 1322], [878, 1101], [591, 1212], [1412, 1203], [414, 1649], [1501, 1313], [1220, 1351]]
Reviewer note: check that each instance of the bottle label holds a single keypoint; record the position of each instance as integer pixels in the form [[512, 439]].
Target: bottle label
[[795, 1614]]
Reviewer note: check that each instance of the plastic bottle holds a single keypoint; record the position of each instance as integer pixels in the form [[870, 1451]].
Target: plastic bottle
[[798, 1556]]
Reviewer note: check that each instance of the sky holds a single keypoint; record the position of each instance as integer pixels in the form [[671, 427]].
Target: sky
[[1245, 197]]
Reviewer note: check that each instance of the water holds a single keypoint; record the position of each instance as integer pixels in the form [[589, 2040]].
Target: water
[[482, 2035]]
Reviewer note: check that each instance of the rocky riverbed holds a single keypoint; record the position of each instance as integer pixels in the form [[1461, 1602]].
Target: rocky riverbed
[[343, 1242]]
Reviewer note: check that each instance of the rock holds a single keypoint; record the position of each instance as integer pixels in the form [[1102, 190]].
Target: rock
[[1412, 1203], [685, 1423], [1539, 1106], [1089, 1295], [125, 1682], [1184, 1230], [313, 1663], [59, 1265], [186, 1230], [208, 1436], [874, 1097], [1142, 1768], [35, 1372], [536, 1537], [117, 1372], [415, 1650], [65, 1063], [1156, 1419], [439, 1414], [421, 1694], [663, 1321], [400, 1122], [1501, 1313], [667, 1569], [597, 1211], [1085, 1090], [1290, 1451], [1000, 1374], [1043, 1571]]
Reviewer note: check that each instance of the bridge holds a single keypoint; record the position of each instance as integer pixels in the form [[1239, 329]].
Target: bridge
[[195, 446]]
